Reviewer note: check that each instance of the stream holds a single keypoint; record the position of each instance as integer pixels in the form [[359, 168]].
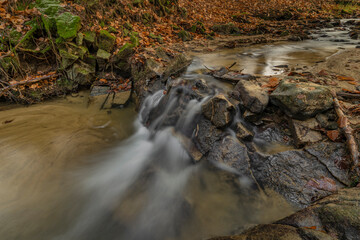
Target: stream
[[72, 172]]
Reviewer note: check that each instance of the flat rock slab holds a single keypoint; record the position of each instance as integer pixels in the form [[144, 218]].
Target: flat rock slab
[[102, 97], [302, 100]]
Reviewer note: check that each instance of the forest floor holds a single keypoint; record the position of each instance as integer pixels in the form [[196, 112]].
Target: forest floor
[[48, 47]]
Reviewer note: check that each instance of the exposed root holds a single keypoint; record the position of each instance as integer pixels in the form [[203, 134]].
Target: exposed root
[[344, 125]]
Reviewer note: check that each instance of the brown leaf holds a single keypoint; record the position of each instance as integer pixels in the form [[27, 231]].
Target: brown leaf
[[333, 135]]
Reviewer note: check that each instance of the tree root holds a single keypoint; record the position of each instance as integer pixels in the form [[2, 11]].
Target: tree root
[[26, 82], [344, 125]]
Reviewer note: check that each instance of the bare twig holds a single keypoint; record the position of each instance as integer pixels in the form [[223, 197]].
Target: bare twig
[[348, 132], [348, 95], [231, 66], [27, 81]]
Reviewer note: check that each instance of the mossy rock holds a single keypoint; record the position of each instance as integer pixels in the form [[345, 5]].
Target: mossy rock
[[106, 41], [74, 49], [90, 60], [198, 27], [67, 25], [80, 39], [67, 59], [185, 36], [102, 54], [90, 37], [229, 28], [158, 38], [82, 73], [134, 38], [48, 7], [125, 51]]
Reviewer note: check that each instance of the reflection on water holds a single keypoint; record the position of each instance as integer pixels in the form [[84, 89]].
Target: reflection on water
[[266, 59]]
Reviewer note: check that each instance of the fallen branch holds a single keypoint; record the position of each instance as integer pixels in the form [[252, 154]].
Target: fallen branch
[[28, 81], [344, 125], [348, 95]]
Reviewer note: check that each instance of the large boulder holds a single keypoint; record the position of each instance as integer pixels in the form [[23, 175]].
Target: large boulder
[[252, 96], [219, 110], [302, 176], [302, 100]]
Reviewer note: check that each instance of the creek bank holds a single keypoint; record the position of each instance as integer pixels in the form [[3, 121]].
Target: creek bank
[[333, 217]]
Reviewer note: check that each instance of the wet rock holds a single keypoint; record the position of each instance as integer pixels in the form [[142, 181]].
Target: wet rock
[[99, 96], [206, 135], [303, 132], [243, 133], [354, 34], [219, 110], [301, 100], [266, 232], [337, 215], [326, 122], [252, 96], [232, 153], [333, 156], [331, 218], [103, 98], [120, 99], [296, 174]]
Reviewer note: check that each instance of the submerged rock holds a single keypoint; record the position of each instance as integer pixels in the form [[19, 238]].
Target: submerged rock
[[252, 96], [301, 100], [219, 110]]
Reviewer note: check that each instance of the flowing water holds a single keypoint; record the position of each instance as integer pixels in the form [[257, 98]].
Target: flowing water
[[71, 172]]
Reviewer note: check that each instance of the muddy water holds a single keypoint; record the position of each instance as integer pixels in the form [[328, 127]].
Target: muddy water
[[40, 146], [66, 171]]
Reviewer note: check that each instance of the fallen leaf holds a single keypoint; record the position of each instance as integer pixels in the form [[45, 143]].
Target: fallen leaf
[[333, 135]]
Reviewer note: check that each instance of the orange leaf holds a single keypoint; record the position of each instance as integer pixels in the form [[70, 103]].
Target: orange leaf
[[342, 122], [342, 78], [333, 135]]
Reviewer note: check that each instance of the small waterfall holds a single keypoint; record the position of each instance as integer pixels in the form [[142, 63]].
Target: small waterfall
[[153, 151]]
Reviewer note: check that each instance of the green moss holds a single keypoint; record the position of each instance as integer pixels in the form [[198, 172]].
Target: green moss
[[184, 35], [79, 39], [128, 26], [158, 38], [106, 41], [67, 25], [67, 59], [48, 7], [74, 49], [90, 37], [134, 38], [198, 27], [112, 30], [102, 54]]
